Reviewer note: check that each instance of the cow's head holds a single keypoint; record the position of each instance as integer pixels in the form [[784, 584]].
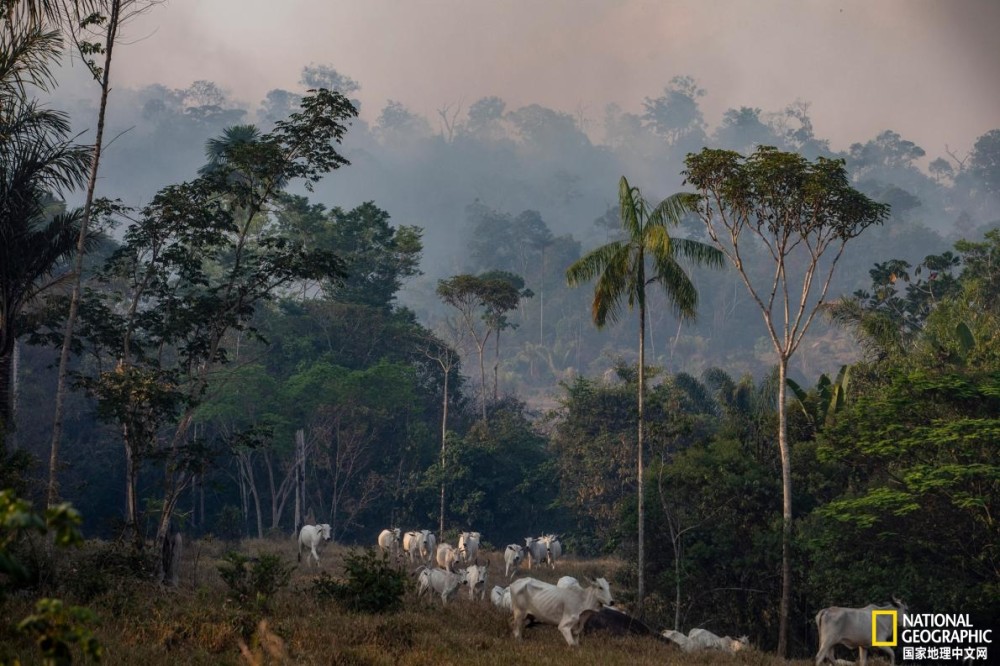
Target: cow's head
[[395, 533], [476, 575], [603, 591], [324, 530]]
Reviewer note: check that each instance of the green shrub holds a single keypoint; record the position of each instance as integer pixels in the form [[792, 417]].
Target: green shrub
[[370, 585], [56, 628], [253, 581]]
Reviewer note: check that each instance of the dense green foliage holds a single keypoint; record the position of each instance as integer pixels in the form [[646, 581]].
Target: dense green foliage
[[371, 584], [253, 581]]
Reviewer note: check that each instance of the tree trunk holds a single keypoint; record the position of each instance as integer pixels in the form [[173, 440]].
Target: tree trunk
[[541, 302], [677, 583], [444, 440], [482, 374], [15, 392], [170, 558], [496, 368], [6, 395], [131, 501], [245, 461], [786, 510], [74, 301], [641, 565], [300, 481], [164, 530]]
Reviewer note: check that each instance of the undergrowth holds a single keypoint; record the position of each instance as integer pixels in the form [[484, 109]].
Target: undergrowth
[[203, 621]]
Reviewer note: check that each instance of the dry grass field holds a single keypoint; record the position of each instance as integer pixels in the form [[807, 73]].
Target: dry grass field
[[144, 624]]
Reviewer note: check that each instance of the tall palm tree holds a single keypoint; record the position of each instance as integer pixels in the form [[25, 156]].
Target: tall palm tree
[[37, 161], [623, 269]]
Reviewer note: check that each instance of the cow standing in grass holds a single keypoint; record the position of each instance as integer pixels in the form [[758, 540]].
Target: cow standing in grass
[[512, 557], [553, 549], [535, 551], [388, 541], [567, 608], [444, 583], [476, 575], [468, 545], [447, 557], [852, 627], [311, 536]]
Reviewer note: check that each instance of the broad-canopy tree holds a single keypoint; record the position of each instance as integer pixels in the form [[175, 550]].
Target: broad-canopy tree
[[191, 271], [803, 213], [623, 269], [482, 302]]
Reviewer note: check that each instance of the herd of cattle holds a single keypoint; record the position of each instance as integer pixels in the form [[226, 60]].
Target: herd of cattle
[[571, 606]]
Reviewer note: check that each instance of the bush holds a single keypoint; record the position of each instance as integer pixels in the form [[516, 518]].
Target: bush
[[371, 584], [101, 568], [254, 580]]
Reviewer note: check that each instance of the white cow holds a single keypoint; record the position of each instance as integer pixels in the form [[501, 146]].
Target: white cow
[[853, 627], [388, 541], [411, 546], [444, 583], [476, 575], [512, 557], [447, 556], [676, 637], [703, 639], [568, 581], [500, 596], [536, 551], [468, 545], [567, 608], [311, 536], [419, 544], [428, 545], [553, 549]]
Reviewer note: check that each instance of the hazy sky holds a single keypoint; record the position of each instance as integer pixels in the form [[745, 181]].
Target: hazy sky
[[928, 69]]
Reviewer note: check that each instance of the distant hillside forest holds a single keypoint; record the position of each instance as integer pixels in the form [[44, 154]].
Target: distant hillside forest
[[290, 315]]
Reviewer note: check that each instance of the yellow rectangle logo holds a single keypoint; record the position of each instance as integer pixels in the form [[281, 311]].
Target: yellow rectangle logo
[[875, 640]]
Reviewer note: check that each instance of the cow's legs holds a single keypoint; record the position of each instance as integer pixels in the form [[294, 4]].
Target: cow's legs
[[892, 653], [315, 555], [518, 622], [862, 656], [566, 627], [823, 654]]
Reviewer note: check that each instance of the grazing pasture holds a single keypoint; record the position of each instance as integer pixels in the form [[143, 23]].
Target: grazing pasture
[[140, 622]]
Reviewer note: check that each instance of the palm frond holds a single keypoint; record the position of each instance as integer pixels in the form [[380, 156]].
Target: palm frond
[[681, 292], [613, 286], [673, 209], [26, 55], [631, 209], [702, 254], [593, 263]]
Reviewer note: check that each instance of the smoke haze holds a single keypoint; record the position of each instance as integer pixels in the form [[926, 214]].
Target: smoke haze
[[924, 68]]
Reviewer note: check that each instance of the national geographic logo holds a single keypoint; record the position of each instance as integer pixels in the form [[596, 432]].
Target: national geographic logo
[[932, 636]]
